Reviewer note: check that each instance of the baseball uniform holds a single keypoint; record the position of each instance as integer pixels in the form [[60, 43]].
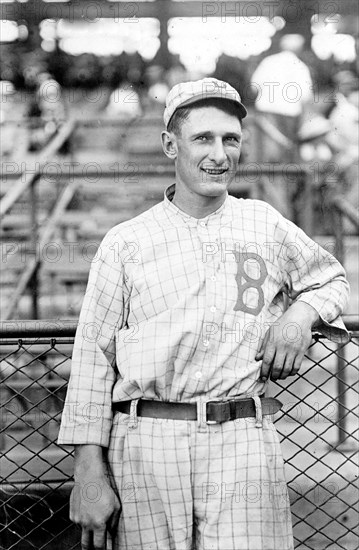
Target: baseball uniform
[[175, 310]]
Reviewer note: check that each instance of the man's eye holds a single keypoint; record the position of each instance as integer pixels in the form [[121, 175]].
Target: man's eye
[[232, 139], [201, 138]]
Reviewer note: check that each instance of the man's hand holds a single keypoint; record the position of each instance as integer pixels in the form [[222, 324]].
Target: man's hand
[[93, 503], [286, 342]]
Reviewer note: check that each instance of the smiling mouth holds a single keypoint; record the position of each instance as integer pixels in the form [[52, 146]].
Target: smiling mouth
[[215, 171]]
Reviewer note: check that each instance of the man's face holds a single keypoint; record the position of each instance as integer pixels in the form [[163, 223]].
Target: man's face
[[208, 150]]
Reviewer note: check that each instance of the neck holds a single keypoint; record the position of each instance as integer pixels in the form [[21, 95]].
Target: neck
[[197, 206]]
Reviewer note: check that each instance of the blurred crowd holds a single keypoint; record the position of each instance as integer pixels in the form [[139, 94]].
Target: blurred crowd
[[26, 70], [318, 112]]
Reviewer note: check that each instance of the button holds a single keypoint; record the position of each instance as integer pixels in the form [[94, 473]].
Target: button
[[198, 374], [206, 343], [213, 278], [202, 224], [213, 309]]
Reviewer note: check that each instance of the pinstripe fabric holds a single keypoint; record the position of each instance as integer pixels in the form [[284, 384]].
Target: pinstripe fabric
[[175, 309]]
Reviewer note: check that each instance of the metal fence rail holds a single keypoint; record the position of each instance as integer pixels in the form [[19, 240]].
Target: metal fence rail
[[318, 428]]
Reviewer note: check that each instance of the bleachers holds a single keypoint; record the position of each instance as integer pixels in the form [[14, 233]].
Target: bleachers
[[93, 210], [119, 171]]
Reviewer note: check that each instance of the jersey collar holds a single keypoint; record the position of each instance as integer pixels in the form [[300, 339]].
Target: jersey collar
[[179, 217]]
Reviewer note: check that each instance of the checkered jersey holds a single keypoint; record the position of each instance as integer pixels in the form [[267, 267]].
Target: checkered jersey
[[176, 308]]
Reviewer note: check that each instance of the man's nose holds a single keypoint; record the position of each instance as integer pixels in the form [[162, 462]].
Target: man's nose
[[217, 153]]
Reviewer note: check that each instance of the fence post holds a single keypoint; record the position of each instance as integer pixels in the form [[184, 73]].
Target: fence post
[[341, 443], [2, 414], [34, 241], [340, 374]]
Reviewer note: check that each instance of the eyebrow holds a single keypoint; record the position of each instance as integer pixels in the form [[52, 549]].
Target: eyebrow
[[207, 133]]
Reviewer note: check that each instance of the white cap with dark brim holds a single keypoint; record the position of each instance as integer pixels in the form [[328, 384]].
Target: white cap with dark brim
[[187, 93]]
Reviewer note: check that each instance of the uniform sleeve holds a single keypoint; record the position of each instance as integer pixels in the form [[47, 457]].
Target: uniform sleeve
[[314, 276], [87, 414]]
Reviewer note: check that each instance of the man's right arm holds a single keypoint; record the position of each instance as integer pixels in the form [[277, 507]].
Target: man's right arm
[[93, 504], [87, 413]]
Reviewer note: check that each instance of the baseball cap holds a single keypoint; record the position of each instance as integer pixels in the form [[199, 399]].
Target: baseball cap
[[187, 93]]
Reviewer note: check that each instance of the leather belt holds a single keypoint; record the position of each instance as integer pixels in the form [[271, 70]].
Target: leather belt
[[216, 411]]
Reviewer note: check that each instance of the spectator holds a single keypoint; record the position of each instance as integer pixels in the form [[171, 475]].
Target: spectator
[[49, 107], [124, 103], [284, 86], [344, 137], [8, 130], [235, 71]]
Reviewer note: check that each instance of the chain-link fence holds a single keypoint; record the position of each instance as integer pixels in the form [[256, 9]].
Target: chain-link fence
[[318, 427]]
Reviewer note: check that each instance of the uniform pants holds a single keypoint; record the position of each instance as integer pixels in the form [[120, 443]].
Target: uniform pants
[[221, 487]]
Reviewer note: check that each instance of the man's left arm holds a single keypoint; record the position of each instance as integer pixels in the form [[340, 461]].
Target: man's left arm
[[319, 293]]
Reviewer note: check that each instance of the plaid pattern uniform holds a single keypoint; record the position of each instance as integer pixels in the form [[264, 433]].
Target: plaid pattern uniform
[[221, 489], [175, 309], [206, 88]]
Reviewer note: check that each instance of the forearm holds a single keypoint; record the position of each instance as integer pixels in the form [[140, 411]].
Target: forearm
[[302, 312], [89, 461]]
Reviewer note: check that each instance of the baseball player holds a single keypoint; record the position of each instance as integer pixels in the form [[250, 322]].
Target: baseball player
[[190, 308]]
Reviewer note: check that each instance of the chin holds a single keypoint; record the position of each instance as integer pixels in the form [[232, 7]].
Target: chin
[[215, 188], [223, 180]]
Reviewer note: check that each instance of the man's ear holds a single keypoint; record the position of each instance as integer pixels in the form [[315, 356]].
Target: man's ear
[[169, 144]]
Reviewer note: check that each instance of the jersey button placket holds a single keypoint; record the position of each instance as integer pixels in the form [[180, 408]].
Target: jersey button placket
[[208, 268]]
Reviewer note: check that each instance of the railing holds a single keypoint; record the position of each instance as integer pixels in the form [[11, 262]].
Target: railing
[[29, 179], [253, 178], [270, 131], [317, 426], [248, 180]]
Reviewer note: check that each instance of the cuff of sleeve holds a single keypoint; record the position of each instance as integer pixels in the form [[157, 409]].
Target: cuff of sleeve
[[334, 330], [80, 431]]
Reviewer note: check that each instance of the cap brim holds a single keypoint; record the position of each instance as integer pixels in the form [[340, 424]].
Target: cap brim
[[241, 108]]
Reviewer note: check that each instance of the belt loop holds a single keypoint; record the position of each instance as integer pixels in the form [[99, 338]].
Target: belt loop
[[133, 422], [259, 412], [202, 415]]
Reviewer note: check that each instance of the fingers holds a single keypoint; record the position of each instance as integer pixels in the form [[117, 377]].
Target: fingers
[[297, 364], [86, 539], [93, 540], [267, 353], [260, 352], [268, 359], [99, 539], [284, 367], [278, 366], [114, 519], [96, 539]]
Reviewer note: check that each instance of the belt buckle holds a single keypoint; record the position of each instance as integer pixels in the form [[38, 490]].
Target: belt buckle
[[223, 411]]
